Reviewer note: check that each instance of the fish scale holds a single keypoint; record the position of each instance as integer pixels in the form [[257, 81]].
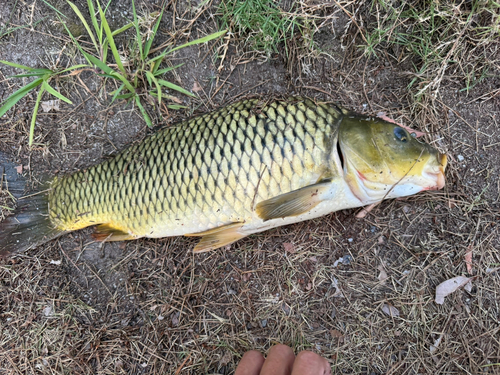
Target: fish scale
[[202, 173]]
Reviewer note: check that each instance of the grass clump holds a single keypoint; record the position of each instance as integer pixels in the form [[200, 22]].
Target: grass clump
[[140, 77], [439, 37], [262, 23], [42, 78]]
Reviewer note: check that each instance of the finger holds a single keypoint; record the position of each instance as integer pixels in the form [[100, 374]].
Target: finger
[[309, 363], [250, 364], [279, 361]]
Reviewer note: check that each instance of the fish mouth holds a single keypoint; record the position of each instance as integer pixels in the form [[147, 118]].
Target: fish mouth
[[438, 176]]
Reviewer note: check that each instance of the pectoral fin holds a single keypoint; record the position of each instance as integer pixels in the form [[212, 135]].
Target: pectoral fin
[[107, 232], [294, 203], [217, 237]]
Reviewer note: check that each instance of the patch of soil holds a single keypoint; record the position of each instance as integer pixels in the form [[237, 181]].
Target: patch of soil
[[151, 306]]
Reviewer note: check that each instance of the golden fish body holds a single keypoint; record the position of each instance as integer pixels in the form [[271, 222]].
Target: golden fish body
[[245, 168], [205, 173]]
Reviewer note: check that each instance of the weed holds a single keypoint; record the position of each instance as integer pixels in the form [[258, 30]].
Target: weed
[[263, 23], [140, 77], [132, 76], [44, 76]]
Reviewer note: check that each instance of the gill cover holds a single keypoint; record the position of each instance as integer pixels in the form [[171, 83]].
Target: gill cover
[[382, 160]]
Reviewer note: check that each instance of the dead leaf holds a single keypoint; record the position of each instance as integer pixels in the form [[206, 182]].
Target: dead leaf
[[196, 87], [434, 347], [468, 259], [335, 284], [449, 286], [49, 105], [175, 319], [382, 275], [390, 310], [226, 358], [175, 99], [47, 311], [289, 248], [335, 333]]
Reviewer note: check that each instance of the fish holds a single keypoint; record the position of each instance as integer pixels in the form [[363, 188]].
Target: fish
[[248, 167]]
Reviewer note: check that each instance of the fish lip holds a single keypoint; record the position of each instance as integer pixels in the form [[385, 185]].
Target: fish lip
[[439, 178], [435, 172]]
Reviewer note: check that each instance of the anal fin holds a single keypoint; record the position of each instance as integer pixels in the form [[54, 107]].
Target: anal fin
[[217, 237], [107, 232], [294, 203]]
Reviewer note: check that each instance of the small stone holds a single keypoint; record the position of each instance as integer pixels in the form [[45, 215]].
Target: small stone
[[263, 323], [347, 259], [286, 309], [460, 158]]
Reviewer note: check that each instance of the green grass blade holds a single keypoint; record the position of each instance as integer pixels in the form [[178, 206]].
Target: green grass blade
[[74, 67], [14, 65], [137, 29], [117, 92], [53, 92], [143, 111], [196, 41], [157, 58], [200, 40], [16, 96], [85, 24], [105, 46], [94, 60], [151, 77], [33, 117], [93, 17], [122, 29], [26, 75], [176, 106], [166, 70], [106, 69], [173, 86], [54, 9], [150, 40], [125, 96], [111, 41]]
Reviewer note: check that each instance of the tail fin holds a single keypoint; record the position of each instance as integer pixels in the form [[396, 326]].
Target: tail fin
[[29, 225]]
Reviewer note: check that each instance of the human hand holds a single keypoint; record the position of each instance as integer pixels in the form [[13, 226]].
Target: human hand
[[282, 361]]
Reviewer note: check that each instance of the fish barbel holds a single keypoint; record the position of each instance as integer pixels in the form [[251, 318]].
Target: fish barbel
[[242, 169]]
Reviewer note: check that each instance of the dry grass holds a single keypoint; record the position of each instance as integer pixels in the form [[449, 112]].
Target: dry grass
[[152, 307]]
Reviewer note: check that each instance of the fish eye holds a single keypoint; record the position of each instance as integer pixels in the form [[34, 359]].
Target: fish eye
[[401, 134]]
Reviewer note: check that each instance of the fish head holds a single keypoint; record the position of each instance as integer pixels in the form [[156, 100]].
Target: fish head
[[383, 160]]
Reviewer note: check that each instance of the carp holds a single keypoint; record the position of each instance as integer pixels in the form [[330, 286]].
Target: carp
[[243, 169]]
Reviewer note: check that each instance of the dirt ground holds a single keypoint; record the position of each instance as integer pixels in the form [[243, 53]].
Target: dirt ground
[[153, 307]]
